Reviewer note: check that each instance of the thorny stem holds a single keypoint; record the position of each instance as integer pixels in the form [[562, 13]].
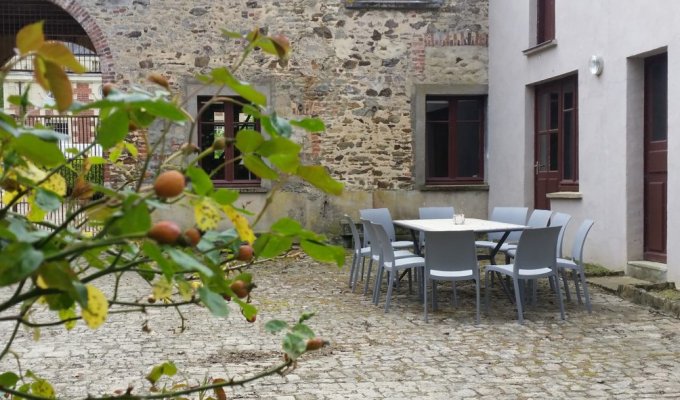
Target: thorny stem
[[81, 247], [69, 219]]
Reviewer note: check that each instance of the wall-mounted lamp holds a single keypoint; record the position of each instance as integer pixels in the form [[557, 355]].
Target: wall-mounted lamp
[[596, 65]]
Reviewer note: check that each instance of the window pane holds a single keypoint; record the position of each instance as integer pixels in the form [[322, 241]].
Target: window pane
[[209, 163], [568, 148], [659, 94], [554, 110], [554, 150], [543, 152], [437, 138], [468, 110], [543, 111], [437, 110], [214, 113], [467, 149], [568, 100]]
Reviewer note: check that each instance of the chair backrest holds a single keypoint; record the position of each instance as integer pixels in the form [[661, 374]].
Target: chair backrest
[[580, 240], [356, 239], [434, 213], [451, 251], [510, 215], [560, 219], [384, 243], [539, 218], [380, 216], [537, 248], [369, 236]]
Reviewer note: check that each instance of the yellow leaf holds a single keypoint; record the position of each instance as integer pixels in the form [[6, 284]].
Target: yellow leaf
[[56, 183], [36, 214], [68, 313], [30, 171], [206, 213], [59, 54], [36, 334], [241, 224], [39, 71], [8, 196], [42, 388], [97, 308], [162, 289], [185, 290], [60, 85], [30, 37]]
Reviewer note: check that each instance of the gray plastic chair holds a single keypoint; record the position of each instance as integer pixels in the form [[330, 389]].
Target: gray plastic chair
[[391, 264], [510, 215], [375, 251], [450, 256], [434, 213], [382, 216], [538, 219], [359, 253], [576, 264], [535, 258]]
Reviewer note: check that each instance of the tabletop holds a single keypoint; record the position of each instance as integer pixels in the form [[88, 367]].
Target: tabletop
[[447, 225]]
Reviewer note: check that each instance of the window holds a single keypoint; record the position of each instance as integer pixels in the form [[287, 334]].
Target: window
[[557, 132], [225, 119], [393, 3], [545, 29], [454, 139]]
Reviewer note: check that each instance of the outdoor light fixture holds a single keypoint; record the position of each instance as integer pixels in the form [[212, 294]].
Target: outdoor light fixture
[[596, 65]]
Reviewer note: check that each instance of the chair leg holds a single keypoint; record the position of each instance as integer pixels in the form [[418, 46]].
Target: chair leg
[[351, 270], [455, 296], [558, 292], [566, 285], [410, 282], [575, 276], [390, 278], [486, 290], [477, 290], [425, 302], [534, 292], [518, 301], [434, 295], [368, 276], [378, 284], [586, 295]]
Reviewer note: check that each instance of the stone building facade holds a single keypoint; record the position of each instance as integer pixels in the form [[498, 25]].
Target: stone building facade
[[365, 71]]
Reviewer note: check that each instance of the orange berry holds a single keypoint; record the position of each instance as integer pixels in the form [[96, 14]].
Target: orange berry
[[169, 184]]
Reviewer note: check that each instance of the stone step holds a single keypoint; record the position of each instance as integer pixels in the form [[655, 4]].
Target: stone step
[[647, 270], [612, 283]]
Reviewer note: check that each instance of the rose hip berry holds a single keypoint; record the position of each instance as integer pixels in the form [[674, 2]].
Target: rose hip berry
[[169, 184]]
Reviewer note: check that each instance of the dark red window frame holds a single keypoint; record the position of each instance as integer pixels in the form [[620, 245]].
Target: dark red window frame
[[545, 21], [565, 125], [232, 174], [454, 172]]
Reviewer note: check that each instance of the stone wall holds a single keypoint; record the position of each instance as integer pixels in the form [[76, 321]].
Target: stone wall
[[356, 69]]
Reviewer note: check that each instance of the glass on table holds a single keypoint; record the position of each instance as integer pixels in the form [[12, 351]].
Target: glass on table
[[459, 219]]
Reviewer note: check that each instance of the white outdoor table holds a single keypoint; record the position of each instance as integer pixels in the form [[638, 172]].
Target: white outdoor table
[[471, 224]]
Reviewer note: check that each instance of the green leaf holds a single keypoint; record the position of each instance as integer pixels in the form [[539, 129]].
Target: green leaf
[[225, 196], [248, 140], [231, 34], [44, 134], [224, 76], [248, 310], [164, 109], [258, 167], [96, 160], [275, 325], [38, 151], [318, 176], [113, 128], [18, 261], [215, 303], [93, 258], [281, 125], [134, 220], [59, 54], [152, 250], [187, 262], [30, 38], [131, 148], [268, 245], [294, 345], [9, 379], [47, 199], [304, 330], [200, 180], [310, 124], [288, 163], [323, 252], [8, 129], [306, 316], [287, 226], [167, 368], [68, 314], [60, 85], [279, 146]]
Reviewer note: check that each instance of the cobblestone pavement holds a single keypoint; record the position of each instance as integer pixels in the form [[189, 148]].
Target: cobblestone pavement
[[620, 351]]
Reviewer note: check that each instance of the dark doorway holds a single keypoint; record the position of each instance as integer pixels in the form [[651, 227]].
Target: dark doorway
[[656, 155]]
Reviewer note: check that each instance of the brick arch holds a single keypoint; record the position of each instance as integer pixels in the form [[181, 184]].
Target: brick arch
[[101, 45]]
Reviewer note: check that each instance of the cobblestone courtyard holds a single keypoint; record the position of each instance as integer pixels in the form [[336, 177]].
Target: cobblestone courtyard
[[620, 351]]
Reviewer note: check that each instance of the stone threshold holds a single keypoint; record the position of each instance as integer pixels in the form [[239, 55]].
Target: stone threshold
[[640, 292], [654, 272]]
